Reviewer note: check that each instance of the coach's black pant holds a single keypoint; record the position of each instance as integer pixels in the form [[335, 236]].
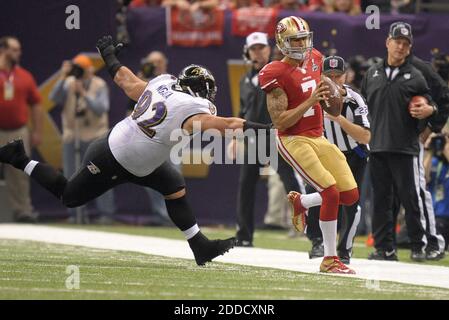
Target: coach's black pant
[[400, 171], [350, 217], [249, 175]]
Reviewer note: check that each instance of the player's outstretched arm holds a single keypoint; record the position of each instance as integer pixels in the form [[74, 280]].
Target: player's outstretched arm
[[130, 83], [122, 76], [208, 121]]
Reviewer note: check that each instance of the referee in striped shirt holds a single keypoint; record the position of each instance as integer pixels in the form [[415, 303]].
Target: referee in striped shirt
[[350, 133]]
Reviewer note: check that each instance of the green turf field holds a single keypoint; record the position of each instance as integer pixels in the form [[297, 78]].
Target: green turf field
[[34, 270], [262, 239]]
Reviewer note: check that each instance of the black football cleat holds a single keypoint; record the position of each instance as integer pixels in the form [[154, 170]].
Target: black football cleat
[[434, 255], [205, 250], [418, 255], [243, 243], [345, 256], [317, 249], [13, 153], [386, 255]]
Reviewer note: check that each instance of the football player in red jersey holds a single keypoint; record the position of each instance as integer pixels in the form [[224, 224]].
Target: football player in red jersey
[[294, 90]]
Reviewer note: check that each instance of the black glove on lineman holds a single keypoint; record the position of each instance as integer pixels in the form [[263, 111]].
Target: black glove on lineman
[[109, 52]]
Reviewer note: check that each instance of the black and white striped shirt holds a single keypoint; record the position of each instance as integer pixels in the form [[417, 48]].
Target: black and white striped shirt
[[356, 111]]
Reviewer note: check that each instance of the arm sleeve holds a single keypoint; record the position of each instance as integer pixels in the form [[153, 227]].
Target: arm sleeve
[[100, 102], [59, 92], [34, 97]]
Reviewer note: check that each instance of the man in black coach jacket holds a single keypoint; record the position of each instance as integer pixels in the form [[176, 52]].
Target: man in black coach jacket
[[389, 87]]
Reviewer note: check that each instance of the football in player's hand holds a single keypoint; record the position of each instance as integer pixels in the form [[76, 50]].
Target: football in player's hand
[[417, 101], [334, 103]]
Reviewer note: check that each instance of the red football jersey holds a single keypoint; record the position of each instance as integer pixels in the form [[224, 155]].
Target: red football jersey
[[298, 83]]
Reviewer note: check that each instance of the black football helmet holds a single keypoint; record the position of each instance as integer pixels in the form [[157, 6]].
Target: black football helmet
[[198, 82]]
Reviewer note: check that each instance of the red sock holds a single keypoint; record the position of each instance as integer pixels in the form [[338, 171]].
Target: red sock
[[350, 197], [329, 207]]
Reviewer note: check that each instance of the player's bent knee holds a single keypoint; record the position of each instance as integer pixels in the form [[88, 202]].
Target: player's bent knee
[[330, 194], [70, 200], [176, 195], [350, 197], [329, 206]]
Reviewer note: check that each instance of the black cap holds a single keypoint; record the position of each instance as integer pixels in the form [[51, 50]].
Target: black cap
[[334, 63], [401, 30]]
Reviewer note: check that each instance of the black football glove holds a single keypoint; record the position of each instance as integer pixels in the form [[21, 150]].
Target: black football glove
[[109, 52], [105, 46]]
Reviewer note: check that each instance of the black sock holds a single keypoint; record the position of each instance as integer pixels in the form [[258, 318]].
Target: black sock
[[180, 213], [50, 179]]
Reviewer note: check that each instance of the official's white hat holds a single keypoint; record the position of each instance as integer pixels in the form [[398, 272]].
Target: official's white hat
[[257, 38]]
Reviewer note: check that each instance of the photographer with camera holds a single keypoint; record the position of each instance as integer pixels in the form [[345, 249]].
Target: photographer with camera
[[436, 164], [85, 101], [153, 65]]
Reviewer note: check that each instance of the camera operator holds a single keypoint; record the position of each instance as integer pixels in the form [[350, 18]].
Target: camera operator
[[436, 166], [153, 65], [85, 101]]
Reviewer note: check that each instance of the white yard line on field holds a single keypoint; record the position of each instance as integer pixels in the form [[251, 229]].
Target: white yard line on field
[[417, 274]]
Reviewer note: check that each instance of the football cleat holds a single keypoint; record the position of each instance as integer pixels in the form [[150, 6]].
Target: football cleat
[[317, 249], [299, 212], [345, 256], [14, 154], [204, 250], [434, 255], [334, 265], [418, 255], [385, 255], [243, 243]]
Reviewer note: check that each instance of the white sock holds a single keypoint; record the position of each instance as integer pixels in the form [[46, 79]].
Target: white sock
[[311, 200], [191, 232], [30, 167], [329, 231]]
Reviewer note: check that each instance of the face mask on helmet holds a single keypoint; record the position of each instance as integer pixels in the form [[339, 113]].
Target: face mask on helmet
[[298, 46], [198, 82], [294, 38]]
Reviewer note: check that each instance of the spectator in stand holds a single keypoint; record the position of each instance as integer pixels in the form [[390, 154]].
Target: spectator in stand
[[289, 5], [352, 7], [145, 3], [238, 4], [191, 5]]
